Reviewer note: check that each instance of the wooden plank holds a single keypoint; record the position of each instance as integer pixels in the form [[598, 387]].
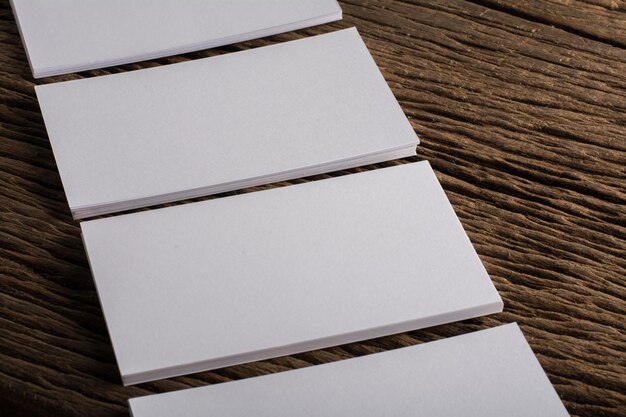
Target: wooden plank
[[602, 20], [524, 124]]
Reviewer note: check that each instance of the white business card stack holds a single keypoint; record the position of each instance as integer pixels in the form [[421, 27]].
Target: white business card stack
[[64, 36], [186, 130], [248, 277], [490, 373], [254, 276]]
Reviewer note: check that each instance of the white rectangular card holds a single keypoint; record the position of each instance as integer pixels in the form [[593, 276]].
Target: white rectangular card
[[276, 272], [489, 373], [238, 120], [63, 36]]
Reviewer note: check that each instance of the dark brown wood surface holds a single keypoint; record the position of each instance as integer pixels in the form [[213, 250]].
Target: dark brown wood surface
[[520, 106]]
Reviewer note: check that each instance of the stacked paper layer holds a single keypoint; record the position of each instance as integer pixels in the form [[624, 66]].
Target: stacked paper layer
[[248, 277], [217, 124], [490, 373], [254, 276], [63, 36]]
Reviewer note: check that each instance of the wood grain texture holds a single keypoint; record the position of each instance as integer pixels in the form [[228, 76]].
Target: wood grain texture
[[521, 110], [595, 19]]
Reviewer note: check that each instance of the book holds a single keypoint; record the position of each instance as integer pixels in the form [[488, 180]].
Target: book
[[223, 123], [64, 36], [488, 373], [253, 276]]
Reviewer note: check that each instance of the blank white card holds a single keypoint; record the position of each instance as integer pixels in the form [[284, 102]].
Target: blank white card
[[217, 124], [64, 36], [490, 373], [248, 277]]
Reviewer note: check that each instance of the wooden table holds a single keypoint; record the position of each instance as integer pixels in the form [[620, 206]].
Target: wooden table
[[520, 106]]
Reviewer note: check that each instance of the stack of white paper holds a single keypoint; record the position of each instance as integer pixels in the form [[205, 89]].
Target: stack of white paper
[[276, 272], [490, 373], [64, 36], [217, 124]]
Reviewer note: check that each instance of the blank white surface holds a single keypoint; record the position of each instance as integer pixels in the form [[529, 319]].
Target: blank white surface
[[188, 127], [275, 272], [489, 373], [64, 36]]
